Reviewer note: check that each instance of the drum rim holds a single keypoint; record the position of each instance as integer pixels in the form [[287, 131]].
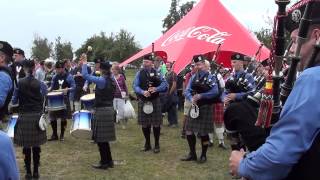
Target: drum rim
[[82, 110], [88, 98], [55, 93]]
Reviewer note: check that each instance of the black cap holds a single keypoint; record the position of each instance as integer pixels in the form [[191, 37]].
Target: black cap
[[148, 57], [28, 64], [18, 51], [198, 58], [6, 48], [106, 65], [238, 57], [295, 13], [59, 64]]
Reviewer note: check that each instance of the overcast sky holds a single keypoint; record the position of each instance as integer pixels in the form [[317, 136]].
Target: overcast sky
[[77, 20]]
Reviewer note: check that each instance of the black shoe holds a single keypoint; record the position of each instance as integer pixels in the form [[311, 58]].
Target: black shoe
[[146, 148], [156, 150], [36, 175], [222, 146], [210, 144], [53, 138], [189, 157], [28, 176], [100, 166], [61, 138], [202, 159], [110, 164]]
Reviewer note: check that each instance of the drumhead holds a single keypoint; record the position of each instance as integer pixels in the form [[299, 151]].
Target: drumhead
[[88, 97], [55, 93]]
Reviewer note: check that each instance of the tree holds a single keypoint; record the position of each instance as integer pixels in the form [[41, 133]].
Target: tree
[[63, 50], [175, 15], [265, 36], [41, 48], [115, 47]]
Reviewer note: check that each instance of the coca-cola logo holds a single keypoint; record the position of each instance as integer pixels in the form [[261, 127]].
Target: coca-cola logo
[[202, 33]]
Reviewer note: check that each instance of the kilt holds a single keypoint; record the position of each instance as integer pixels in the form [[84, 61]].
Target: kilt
[[153, 119], [27, 132], [203, 124], [218, 111], [103, 129]]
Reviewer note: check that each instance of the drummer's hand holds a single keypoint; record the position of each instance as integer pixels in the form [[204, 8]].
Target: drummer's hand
[[85, 88], [83, 58], [152, 89], [234, 161], [65, 91], [146, 94]]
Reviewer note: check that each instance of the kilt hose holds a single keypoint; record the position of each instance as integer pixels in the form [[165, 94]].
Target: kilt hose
[[153, 119], [203, 124], [103, 129], [27, 132], [218, 111]]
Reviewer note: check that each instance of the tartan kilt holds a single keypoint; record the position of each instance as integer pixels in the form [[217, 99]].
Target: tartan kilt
[[27, 132], [203, 124], [153, 119], [103, 129], [54, 115], [218, 111]]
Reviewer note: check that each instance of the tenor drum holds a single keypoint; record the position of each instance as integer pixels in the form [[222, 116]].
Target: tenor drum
[[87, 101], [55, 101], [12, 123], [81, 127]]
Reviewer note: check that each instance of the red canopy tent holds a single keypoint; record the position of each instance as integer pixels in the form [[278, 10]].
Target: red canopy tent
[[207, 25]]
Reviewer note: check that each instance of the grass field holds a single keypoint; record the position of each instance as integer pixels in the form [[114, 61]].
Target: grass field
[[72, 158]]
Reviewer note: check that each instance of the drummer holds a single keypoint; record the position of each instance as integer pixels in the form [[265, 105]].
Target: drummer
[[103, 122], [30, 93], [62, 82]]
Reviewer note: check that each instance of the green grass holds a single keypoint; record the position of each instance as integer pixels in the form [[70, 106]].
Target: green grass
[[72, 158]]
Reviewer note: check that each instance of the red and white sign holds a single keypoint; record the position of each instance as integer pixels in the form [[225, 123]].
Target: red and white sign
[[208, 24]]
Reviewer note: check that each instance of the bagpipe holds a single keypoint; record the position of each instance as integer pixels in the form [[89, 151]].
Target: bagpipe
[[274, 94], [241, 83]]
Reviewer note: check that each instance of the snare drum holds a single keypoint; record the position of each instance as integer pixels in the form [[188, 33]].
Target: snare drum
[[12, 123], [87, 101], [55, 101], [81, 127]]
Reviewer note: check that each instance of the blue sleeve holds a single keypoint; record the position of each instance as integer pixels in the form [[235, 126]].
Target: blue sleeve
[[251, 86], [15, 96], [163, 85], [5, 87], [8, 165], [136, 83], [72, 84], [297, 128], [214, 91], [188, 91], [52, 81], [43, 88], [99, 81]]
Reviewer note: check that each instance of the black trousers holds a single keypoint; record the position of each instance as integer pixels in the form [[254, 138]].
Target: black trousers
[[105, 153]]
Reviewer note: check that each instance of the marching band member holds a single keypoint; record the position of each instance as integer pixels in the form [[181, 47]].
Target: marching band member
[[30, 94], [61, 81], [147, 85], [240, 83], [292, 149], [104, 114], [201, 91]]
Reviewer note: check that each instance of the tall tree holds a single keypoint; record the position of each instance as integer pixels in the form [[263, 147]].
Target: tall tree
[[63, 50], [175, 15], [115, 47], [41, 48]]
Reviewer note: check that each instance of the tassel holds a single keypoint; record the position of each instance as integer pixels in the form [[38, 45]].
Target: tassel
[[266, 106]]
